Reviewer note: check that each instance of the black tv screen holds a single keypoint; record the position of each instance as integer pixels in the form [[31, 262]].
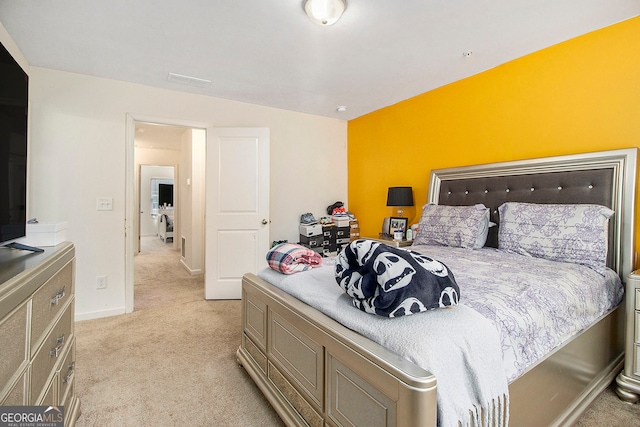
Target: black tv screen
[[14, 98], [165, 194]]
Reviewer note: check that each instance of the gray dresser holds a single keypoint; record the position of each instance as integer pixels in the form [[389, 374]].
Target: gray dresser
[[628, 382], [36, 329]]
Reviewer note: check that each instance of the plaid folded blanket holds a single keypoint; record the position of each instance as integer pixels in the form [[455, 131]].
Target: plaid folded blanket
[[289, 258]]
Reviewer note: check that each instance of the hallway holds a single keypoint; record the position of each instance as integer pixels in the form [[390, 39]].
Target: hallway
[[160, 279]]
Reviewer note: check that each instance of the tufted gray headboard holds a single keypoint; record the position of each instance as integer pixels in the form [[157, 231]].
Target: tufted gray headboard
[[605, 178]]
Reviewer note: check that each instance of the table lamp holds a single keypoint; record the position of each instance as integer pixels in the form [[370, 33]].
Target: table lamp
[[400, 196]]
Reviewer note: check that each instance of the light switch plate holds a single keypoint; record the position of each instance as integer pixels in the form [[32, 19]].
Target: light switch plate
[[105, 204]]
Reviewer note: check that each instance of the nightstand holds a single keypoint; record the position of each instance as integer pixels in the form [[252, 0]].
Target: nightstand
[[389, 241], [628, 382]]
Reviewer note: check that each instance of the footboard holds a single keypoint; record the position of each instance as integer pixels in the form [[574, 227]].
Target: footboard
[[317, 372]]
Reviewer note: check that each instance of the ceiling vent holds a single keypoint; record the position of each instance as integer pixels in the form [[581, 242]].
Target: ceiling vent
[[188, 80]]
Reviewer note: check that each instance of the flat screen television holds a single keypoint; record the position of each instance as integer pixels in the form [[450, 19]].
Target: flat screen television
[[14, 99], [165, 195]]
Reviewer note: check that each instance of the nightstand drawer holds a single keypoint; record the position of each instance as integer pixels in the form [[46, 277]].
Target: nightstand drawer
[[636, 360], [636, 336], [637, 299]]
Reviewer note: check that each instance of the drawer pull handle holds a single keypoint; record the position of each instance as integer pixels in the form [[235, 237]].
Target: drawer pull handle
[[69, 373], [58, 296], [56, 351]]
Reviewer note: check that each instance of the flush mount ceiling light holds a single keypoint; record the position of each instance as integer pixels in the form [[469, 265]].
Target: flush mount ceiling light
[[324, 12]]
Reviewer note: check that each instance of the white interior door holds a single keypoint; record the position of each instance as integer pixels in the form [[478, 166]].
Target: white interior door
[[237, 208]]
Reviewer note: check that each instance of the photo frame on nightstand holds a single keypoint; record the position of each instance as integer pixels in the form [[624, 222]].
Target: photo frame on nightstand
[[398, 224]]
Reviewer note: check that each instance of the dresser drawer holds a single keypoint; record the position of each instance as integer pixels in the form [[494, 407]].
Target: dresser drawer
[[48, 301], [66, 373], [637, 299], [65, 399], [636, 328], [49, 398], [13, 330], [15, 397], [50, 354], [636, 360]]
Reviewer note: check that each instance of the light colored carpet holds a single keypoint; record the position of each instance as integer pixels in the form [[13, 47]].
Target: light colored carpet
[[172, 361], [169, 363], [608, 410]]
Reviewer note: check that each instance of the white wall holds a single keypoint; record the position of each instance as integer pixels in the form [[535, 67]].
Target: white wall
[[78, 153], [191, 185]]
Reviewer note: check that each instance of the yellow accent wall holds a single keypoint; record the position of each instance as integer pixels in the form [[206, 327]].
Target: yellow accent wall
[[578, 96]]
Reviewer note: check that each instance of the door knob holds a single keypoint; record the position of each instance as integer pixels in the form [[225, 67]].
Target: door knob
[[265, 222]]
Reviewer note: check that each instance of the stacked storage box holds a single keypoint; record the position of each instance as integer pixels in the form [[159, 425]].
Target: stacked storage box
[[342, 237], [329, 238], [342, 231], [354, 230], [311, 237], [329, 244]]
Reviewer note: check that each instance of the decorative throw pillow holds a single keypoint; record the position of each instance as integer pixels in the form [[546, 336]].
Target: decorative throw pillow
[[457, 226], [565, 233]]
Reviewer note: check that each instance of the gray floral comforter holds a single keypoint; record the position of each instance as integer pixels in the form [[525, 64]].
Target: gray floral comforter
[[535, 304]]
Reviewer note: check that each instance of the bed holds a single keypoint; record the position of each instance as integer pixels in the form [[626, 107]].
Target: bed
[[315, 371], [165, 227]]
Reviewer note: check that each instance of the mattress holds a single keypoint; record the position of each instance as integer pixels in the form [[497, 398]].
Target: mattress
[[534, 304]]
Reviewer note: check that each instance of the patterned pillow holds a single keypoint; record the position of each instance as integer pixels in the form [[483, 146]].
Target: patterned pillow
[[565, 233], [457, 226]]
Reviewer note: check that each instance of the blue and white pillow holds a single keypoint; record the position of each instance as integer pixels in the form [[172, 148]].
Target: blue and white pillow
[[567, 233], [456, 226]]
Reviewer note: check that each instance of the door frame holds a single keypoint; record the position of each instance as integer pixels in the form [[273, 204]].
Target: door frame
[[129, 215]]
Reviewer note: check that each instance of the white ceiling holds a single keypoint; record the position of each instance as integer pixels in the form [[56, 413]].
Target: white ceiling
[[268, 52]]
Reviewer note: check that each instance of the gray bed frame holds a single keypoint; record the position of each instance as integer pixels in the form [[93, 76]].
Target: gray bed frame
[[316, 372]]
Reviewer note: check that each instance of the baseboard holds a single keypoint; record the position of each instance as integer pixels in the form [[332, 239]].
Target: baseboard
[[99, 314], [195, 272]]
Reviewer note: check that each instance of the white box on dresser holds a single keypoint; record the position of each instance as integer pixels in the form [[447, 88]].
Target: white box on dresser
[[628, 382], [45, 234], [37, 299]]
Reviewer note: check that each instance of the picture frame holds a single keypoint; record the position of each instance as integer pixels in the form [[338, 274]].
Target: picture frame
[[398, 224]]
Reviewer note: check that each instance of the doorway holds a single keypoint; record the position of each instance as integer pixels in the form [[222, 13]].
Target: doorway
[[157, 207], [159, 161], [236, 226]]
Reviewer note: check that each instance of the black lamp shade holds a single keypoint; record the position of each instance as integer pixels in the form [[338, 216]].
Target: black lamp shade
[[400, 196]]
